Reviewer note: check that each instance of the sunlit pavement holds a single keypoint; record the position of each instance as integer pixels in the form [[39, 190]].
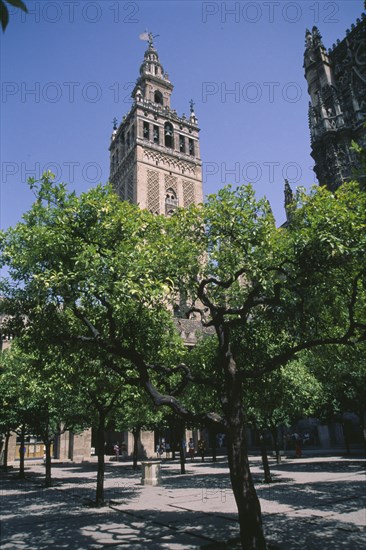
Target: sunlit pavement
[[313, 503]]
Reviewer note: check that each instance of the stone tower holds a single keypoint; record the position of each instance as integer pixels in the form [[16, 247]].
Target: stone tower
[[154, 154], [337, 88]]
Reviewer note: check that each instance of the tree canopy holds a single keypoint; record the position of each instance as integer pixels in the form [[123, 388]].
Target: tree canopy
[[103, 276]]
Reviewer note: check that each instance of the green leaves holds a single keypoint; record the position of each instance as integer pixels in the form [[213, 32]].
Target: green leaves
[[284, 396], [96, 275], [96, 270], [34, 392], [4, 13]]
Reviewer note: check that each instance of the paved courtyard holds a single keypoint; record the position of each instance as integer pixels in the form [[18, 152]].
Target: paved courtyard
[[313, 503]]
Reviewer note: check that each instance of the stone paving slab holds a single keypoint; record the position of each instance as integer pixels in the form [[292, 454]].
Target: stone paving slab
[[315, 503]]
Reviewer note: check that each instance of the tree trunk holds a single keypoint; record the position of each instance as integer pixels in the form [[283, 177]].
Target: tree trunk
[[264, 455], [247, 501], [250, 519], [99, 498], [361, 415], [173, 441], [48, 478], [174, 429], [182, 456], [182, 450], [136, 435], [274, 433], [346, 433], [214, 446], [6, 450], [2, 443], [21, 453]]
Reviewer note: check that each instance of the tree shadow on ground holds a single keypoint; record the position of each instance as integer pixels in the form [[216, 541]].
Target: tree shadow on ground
[[52, 519], [82, 477], [339, 497], [313, 532], [97, 529], [333, 466]]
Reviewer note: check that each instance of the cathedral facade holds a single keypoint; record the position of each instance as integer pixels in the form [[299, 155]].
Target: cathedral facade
[[337, 87]]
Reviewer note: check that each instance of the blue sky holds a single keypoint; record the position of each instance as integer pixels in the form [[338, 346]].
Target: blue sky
[[68, 68]]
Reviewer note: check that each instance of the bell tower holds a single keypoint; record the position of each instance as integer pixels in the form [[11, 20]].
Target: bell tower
[[154, 154]]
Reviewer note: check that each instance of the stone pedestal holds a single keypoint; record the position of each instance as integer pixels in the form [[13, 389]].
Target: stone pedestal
[[151, 473]]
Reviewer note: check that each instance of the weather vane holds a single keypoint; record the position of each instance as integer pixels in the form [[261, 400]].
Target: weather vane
[[191, 105], [114, 123], [148, 37]]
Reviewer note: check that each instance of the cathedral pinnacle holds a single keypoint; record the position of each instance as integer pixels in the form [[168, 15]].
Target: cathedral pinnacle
[[313, 38], [289, 200], [308, 39], [289, 196], [317, 37]]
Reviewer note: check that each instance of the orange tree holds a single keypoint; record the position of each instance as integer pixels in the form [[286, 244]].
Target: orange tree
[[104, 274]]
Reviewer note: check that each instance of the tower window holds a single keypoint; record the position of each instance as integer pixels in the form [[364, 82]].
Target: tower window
[[182, 144], [191, 146], [156, 134], [168, 135], [158, 97], [171, 201], [171, 197], [146, 130]]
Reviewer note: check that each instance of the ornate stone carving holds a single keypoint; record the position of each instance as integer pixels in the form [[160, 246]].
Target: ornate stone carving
[[169, 161], [338, 107], [171, 182], [188, 193], [153, 191]]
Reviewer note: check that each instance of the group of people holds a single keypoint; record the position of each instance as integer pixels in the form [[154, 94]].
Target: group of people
[[163, 447], [201, 449]]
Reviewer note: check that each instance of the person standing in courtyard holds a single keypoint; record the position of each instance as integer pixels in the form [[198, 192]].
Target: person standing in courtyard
[[298, 442], [116, 451], [202, 449], [191, 449]]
